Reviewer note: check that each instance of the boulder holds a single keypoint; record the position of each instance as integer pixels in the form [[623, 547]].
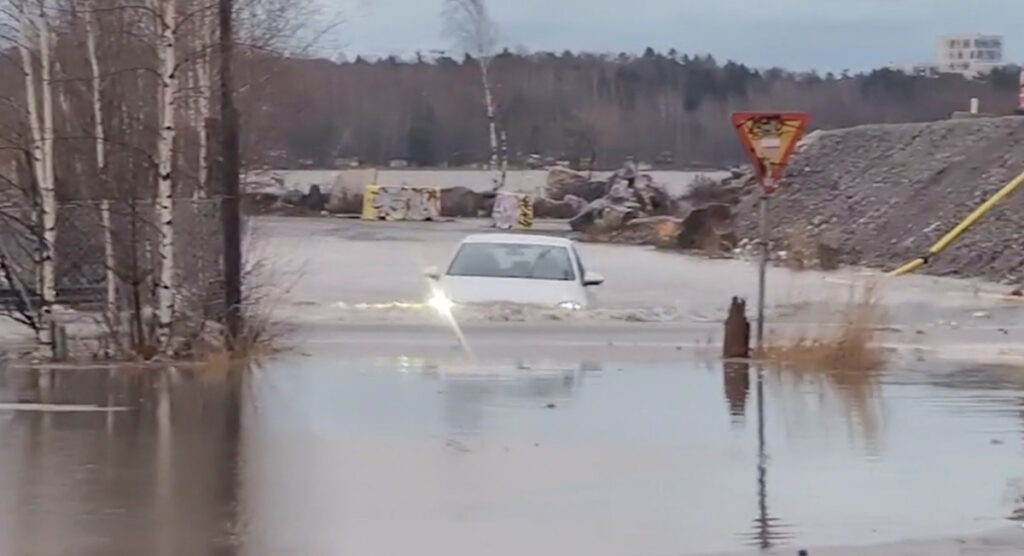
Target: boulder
[[652, 198], [259, 203], [649, 230], [603, 216], [345, 203], [564, 181], [315, 200], [346, 196], [464, 202], [292, 198], [708, 229], [565, 209]]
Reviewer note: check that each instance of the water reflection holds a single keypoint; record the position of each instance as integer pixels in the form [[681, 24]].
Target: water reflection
[[319, 456], [466, 395], [159, 479], [768, 531], [737, 389]]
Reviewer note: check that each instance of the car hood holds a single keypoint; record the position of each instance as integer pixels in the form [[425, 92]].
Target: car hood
[[473, 289]]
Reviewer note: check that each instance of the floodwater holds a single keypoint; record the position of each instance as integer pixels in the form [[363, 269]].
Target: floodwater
[[312, 455]]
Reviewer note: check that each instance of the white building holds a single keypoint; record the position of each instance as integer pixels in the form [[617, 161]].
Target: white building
[[970, 55]]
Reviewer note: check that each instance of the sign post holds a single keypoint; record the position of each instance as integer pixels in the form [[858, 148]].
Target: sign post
[[769, 139]]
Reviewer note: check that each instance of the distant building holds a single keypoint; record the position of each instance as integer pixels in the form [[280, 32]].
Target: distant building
[[924, 70], [970, 55]]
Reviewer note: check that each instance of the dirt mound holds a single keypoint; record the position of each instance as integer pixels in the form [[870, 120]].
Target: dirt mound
[[886, 193]]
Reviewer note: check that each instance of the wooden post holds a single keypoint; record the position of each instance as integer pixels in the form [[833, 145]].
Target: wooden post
[[736, 344]]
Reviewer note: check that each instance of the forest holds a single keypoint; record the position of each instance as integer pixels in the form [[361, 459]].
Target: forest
[[586, 108]]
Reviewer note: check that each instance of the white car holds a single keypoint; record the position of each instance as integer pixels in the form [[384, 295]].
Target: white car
[[514, 268]]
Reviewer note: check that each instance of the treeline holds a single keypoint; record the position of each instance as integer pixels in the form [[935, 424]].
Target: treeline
[[573, 106]]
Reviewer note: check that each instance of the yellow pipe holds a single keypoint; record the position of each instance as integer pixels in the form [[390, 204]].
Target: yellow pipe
[[908, 268], [962, 227]]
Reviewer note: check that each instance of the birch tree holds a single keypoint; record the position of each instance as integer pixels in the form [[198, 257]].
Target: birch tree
[[167, 92], [96, 90], [471, 27], [204, 92], [34, 27]]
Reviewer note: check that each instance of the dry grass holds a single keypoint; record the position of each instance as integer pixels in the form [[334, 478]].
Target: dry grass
[[844, 360], [850, 347]]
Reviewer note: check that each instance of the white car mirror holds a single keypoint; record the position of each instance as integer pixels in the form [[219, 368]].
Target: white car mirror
[[432, 272], [592, 279]]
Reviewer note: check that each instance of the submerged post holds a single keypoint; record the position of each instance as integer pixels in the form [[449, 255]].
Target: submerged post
[[736, 344]]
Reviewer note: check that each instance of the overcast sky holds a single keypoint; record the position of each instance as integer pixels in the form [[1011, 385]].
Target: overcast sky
[[828, 35]]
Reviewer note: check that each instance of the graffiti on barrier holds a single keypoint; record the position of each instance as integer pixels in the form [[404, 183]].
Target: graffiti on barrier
[[385, 202], [512, 210]]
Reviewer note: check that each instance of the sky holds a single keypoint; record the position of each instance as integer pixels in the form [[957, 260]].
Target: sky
[[825, 35]]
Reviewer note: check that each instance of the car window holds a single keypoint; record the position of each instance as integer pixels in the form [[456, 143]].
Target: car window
[[580, 271], [513, 260]]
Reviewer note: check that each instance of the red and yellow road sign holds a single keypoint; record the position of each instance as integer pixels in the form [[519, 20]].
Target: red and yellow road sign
[[770, 138]]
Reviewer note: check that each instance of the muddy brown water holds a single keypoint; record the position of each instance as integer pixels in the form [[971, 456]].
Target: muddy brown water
[[312, 455]]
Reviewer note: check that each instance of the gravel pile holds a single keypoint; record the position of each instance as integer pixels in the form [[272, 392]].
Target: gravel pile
[[883, 194]]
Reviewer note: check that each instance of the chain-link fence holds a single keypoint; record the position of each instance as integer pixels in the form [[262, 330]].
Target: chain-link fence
[[106, 257]]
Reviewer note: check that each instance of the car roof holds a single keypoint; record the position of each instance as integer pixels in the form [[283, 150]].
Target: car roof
[[525, 239]]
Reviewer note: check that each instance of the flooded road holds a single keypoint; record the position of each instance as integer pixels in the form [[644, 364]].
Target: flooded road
[[311, 455]]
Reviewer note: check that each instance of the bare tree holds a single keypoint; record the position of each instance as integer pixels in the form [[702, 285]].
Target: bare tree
[[470, 26], [33, 23], [167, 99]]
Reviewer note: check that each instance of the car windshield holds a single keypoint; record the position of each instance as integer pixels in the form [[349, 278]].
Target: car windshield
[[513, 260]]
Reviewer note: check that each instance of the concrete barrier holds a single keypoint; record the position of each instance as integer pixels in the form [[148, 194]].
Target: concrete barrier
[[385, 202], [513, 211]]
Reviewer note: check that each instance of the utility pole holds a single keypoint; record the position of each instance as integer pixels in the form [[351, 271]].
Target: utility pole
[[231, 217]]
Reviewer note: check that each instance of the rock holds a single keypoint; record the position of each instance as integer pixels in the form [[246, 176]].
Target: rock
[[345, 203], [292, 198], [661, 231], [260, 203], [346, 195], [603, 216], [567, 208], [708, 229], [564, 181], [464, 202], [315, 199]]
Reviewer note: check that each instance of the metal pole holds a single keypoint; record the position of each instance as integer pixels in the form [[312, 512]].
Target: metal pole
[[230, 203], [762, 270]]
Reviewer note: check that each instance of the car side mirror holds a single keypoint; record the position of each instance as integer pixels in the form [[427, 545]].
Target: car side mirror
[[592, 279], [432, 272]]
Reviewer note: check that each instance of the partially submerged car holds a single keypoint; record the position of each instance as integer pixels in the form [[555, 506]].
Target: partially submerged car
[[514, 268]]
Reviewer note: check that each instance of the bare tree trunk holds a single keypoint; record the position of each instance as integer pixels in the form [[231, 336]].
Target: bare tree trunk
[[111, 276], [41, 152], [203, 101], [492, 124], [165, 168], [230, 212], [97, 105], [29, 73]]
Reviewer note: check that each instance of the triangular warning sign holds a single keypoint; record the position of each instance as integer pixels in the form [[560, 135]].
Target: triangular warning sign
[[770, 138]]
